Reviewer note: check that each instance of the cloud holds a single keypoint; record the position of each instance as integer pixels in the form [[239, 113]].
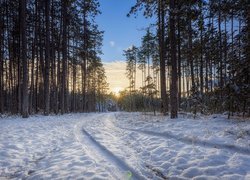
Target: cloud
[[112, 43]]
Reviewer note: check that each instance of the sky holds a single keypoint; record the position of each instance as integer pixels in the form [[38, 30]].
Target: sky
[[120, 32]]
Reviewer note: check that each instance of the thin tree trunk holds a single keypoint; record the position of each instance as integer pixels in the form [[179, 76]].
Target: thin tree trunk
[[174, 80], [179, 54], [47, 60], [53, 63], [59, 79], [32, 77], [1, 61], [85, 60], [161, 27], [190, 53], [220, 49], [25, 97], [230, 75], [201, 53], [74, 83], [239, 41], [212, 79], [225, 52], [64, 55]]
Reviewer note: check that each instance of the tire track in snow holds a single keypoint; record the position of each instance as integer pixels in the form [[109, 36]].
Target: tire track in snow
[[148, 171], [104, 154], [192, 141]]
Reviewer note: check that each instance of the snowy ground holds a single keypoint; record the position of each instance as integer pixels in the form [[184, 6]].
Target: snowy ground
[[124, 146]]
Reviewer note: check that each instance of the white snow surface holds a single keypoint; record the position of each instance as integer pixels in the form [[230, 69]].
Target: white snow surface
[[124, 146]]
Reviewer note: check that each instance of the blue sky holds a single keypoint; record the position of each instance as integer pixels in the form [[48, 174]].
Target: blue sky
[[120, 31]]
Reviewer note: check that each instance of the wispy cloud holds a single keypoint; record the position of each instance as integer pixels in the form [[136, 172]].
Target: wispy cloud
[[112, 43]]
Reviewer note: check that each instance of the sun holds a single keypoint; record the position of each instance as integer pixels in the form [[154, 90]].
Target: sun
[[117, 90]]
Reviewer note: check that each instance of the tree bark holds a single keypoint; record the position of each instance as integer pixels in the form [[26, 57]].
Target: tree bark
[[161, 29], [25, 97], [47, 60], [190, 46], [1, 60], [201, 52], [64, 55], [220, 49], [179, 53], [174, 79]]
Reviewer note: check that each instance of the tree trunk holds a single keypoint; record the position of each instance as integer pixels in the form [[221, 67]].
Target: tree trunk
[[85, 60], [1, 61], [220, 49], [53, 63], [64, 55], [25, 97], [179, 54], [74, 83], [161, 28], [201, 52], [32, 77], [47, 60], [174, 80], [190, 53], [225, 53]]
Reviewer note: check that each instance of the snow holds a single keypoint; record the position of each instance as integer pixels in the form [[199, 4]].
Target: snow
[[124, 146]]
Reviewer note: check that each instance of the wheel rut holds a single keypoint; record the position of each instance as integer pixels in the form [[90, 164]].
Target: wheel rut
[[104, 155], [193, 141]]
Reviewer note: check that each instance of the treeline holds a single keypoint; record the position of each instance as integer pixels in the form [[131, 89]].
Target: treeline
[[200, 52], [49, 57]]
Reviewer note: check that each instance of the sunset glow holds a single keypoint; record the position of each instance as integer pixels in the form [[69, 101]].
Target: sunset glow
[[117, 90]]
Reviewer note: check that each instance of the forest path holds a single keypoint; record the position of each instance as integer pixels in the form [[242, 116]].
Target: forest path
[[115, 147], [128, 146], [102, 154]]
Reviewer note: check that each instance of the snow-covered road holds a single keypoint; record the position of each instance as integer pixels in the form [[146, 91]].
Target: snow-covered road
[[124, 146]]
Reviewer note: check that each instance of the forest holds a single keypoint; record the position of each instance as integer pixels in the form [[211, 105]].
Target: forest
[[49, 57], [195, 57]]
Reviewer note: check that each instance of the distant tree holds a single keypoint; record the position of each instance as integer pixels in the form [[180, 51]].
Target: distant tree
[[131, 55]]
